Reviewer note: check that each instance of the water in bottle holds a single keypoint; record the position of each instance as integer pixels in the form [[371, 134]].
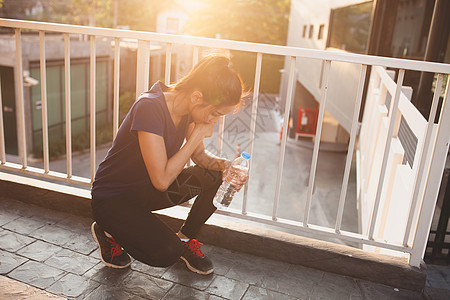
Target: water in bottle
[[226, 191]]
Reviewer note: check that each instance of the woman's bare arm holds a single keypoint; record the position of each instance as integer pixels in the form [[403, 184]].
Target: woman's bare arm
[[163, 171], [205, 159]]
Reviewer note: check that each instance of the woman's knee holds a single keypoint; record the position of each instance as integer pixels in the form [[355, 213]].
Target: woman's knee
[[211, 179], [205, 175], [215, 184]]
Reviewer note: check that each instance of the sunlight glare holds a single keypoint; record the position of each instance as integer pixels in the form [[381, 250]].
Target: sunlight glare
[[191, 5]]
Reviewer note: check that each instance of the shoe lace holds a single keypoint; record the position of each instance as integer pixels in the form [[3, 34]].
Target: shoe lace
[[116, 249], [194, 246]]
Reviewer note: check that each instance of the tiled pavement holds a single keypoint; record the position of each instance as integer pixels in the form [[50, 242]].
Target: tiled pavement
[[43, 251]]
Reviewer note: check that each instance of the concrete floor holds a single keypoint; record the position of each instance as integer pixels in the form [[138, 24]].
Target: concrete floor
[[46, 254]]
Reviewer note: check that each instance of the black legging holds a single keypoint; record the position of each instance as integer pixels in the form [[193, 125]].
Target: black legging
[[129, 218]]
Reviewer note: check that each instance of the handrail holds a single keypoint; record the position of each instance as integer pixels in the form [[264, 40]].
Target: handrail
[[232, 45]]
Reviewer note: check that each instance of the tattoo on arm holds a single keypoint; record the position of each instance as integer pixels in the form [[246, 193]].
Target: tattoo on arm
[[210, 161]]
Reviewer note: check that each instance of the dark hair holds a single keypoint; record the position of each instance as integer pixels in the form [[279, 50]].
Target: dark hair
[[213, 77]]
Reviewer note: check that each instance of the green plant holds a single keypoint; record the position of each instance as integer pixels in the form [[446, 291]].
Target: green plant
[[55, 149], [80, 142]]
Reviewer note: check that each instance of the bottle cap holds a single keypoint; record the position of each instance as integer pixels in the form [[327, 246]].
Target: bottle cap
[[245, 155]]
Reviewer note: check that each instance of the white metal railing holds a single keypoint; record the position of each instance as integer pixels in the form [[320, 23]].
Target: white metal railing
[[437, 135], [385, 188], [68, 104]]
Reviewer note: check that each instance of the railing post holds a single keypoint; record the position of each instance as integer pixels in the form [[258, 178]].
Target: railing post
[[220, 137], [44, 102], [351, 146], [312, 173], [2, 133], [168, 63], [143, 67], [371, 100], [420, 174], [92, 105], [194, 62], [434, 179], [116, 86], [20, 101], [253, 123], [287, 109], [392, 117], [195, 55], [68, 105]]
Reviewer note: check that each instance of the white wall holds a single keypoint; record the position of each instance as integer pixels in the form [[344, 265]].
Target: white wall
[[340, 97], [342, 89]]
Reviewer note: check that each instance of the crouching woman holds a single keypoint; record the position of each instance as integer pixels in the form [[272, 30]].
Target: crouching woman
[[145, 171]]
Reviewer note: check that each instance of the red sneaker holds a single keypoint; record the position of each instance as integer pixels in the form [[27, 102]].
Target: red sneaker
[[111, 253], [195, 259]]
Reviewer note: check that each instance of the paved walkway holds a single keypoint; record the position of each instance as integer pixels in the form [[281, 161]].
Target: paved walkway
[[44, 253]]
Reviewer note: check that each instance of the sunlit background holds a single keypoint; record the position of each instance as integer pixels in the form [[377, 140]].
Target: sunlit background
[[262, 21]]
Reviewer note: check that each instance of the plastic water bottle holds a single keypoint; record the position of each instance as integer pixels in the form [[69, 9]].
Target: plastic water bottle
[[226, 191]]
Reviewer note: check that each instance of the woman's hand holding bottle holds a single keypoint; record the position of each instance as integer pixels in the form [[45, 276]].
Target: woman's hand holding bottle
[[234, 177], [235, 174]]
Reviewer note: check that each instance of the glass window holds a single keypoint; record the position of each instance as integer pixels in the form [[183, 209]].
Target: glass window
[[411, 29], [78, 90], [320, 34], [55, 105], [101, 88], [79, 85], [349, 27], [36, 110], [172, 25], [311, 31], [54, 95], [36, 104], [78, 127]]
